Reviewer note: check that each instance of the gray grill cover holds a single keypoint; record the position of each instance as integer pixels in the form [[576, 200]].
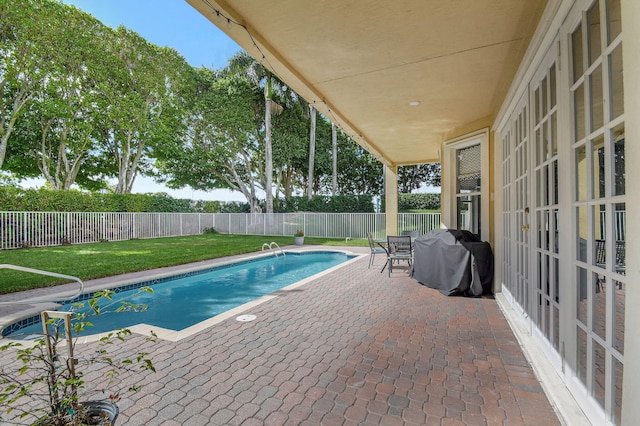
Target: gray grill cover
[[454, 262]]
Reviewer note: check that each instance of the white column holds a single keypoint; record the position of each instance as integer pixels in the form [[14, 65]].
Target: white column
[[391, 198], [631, 71]]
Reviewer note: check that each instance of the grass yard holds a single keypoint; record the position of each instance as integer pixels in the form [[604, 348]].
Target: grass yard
[[97, 260]]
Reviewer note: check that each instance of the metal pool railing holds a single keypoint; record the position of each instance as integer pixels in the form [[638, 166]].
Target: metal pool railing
[[47, 273]]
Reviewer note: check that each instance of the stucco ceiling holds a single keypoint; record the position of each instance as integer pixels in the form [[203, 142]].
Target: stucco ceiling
[[362, 63]]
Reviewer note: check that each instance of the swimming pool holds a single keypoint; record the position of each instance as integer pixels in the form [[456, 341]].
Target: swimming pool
[[182, 301]]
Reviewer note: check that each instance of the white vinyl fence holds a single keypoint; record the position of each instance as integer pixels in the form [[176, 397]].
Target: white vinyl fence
[[41, 229]]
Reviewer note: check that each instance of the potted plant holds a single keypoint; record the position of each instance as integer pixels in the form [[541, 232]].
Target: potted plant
[[299, 237], [45, 384]]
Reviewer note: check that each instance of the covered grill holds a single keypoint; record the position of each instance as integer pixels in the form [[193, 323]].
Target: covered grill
[[454, 262]]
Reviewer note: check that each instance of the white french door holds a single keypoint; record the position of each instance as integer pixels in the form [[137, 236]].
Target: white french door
[[545, 243], [516, 207]]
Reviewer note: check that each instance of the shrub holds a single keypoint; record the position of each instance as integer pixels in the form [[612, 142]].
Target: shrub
[[328, 204]]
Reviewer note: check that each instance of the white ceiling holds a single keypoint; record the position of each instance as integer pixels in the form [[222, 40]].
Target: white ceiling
[[362, 63]]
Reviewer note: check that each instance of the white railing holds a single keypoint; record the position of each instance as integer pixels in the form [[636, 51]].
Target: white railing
[[41, 229]]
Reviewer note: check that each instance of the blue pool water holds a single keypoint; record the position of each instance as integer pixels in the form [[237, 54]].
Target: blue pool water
[[179, 303]]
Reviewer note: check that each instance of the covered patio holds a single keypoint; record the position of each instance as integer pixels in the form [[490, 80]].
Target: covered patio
[[533, 117], [351, 347]]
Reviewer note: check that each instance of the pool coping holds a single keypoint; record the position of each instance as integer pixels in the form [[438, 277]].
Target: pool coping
[[33, 309]]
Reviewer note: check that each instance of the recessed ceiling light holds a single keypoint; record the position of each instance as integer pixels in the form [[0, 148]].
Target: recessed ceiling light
[[414, 103]]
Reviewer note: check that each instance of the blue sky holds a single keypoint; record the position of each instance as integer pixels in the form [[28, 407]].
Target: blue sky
[[172, 23]]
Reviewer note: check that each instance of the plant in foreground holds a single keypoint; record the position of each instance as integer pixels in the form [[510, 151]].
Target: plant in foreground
[[45, 383]]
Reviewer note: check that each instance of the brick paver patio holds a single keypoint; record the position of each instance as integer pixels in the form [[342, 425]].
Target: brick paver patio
[[351, 347]]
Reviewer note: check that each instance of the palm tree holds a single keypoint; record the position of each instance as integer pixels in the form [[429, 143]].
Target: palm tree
[[312, 150], [334, 156], [244, 64]]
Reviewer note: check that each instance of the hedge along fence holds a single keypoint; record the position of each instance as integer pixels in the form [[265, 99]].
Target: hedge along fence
[[408, 202], [418, 202], [44, 200], [328, 204]]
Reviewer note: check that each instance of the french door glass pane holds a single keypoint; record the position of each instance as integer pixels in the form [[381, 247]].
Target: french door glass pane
[[552, 86], [556, 328], [578, 112], [555, 236], [553, 134], [599, 306], [599, 372], [597, 168], [620, 224], [581, 172], [582, 233], [582, 355], [616, 84], [576, 46], [618, 369], [596, 108], [593, 24], [555, 178], [600, 241], [618, 160], [618, 315], [583, 296], [613, 20]]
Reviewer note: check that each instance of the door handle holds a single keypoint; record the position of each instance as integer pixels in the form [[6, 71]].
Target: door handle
[[524, 227]]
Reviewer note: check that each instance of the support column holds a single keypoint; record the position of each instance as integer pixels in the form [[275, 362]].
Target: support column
[[391, 198], [631, 70]]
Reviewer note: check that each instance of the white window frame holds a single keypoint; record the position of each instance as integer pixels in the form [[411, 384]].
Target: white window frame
[[450, 199]]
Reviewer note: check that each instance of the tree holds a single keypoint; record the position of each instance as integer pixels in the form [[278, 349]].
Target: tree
[[29, 49], [244, 65], [145, 103], [222, 148], [334, 157], [312, 150], [290, 147], [412, 177], [359, 171], [55, 135]]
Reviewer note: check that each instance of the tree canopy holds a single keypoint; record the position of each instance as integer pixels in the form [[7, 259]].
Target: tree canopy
[[82, 103]]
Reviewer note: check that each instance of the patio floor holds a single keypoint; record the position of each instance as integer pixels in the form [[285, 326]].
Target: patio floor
[[351, 347]]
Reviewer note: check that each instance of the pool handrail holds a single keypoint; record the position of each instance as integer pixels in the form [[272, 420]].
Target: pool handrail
[[41, 272], [270, 246]]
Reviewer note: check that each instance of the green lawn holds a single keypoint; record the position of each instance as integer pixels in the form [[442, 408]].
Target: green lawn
[[89, 261]]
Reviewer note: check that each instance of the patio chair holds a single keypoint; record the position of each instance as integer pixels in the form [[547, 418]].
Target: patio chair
[[399, 249], [620, 257], [374, 250], [601, 262], [413, 233]]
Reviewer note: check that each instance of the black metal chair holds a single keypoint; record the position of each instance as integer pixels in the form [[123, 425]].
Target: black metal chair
[[600, 254], [620, 257]]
